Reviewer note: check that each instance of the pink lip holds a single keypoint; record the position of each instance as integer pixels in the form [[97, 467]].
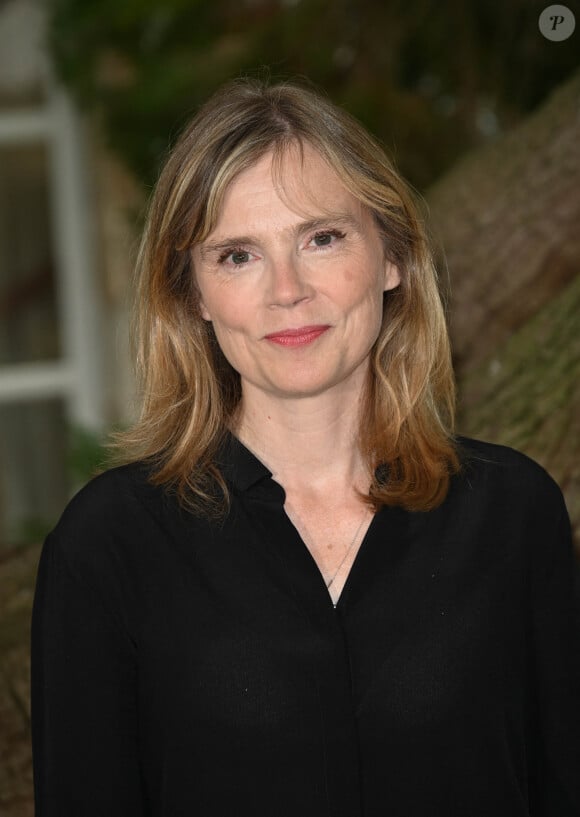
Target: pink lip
[[297, 337]]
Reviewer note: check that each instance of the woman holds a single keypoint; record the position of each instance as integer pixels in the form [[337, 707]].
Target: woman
[[302, 595]]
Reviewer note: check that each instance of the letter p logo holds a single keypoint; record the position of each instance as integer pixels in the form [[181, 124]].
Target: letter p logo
[[557, 23]]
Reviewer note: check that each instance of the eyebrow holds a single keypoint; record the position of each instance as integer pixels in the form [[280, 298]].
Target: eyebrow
[[332, 220]]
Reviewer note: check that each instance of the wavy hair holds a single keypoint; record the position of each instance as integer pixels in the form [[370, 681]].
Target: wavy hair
[[190, 392]]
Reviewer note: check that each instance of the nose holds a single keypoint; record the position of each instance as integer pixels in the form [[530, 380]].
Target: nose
[[287, 281]]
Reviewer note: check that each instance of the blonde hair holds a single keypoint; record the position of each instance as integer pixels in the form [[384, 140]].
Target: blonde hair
[[190, 391]]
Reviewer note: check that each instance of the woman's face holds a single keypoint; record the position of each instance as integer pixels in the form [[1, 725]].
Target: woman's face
[[292, 279]]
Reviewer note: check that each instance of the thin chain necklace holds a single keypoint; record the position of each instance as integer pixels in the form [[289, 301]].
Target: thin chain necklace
[[347, 551]]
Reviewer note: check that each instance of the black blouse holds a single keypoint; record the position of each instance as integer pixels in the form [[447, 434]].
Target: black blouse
[[182, 668]]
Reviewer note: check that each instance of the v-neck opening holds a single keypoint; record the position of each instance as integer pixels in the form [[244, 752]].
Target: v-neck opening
[[355, 566], [362, 547]]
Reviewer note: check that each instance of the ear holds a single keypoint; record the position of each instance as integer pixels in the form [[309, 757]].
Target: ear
[[392, 276], [203, 311]]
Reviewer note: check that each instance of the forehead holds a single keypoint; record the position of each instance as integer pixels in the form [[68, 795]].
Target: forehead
[[299, 178]]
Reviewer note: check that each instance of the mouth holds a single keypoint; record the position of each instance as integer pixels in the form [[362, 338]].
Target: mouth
[[297, 337]]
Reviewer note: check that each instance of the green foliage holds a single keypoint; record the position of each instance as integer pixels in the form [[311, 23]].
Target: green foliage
[[431, 77], [87, 455], [30, 530]]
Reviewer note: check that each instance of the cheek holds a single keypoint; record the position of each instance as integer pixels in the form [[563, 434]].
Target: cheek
[[365, 296], [233, 325], [229, 344], [226, 309], [367, 313]]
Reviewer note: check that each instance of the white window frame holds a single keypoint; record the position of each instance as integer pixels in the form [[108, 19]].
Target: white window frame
[[77, 377]]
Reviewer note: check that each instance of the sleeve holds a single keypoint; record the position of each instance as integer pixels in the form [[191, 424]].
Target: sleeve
[[556, 645], [83, 699]]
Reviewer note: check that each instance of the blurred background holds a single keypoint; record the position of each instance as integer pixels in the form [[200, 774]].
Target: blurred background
[[480, 111]]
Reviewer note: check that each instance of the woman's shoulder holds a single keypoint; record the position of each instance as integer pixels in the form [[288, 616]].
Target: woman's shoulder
[[500, 470], [106, 543], [118, 505], [115, 491], [486, 457], [509, 504]]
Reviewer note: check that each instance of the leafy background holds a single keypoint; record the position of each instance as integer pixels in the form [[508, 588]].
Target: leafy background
[[432, 78]]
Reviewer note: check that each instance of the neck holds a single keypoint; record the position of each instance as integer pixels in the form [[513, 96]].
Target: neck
[[310, 444]]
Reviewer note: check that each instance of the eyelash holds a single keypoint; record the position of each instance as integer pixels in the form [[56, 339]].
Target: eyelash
[[227, 253], [223, 257], [333, 232]]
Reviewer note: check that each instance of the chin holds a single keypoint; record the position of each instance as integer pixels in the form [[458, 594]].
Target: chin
[[303, 387]]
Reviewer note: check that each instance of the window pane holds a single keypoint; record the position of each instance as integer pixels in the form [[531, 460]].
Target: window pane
[[22, 61], [33, 473], [28, 319]]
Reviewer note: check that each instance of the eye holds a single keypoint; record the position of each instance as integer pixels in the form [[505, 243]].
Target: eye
[[325, 238], [235, 257], [240, 257]]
